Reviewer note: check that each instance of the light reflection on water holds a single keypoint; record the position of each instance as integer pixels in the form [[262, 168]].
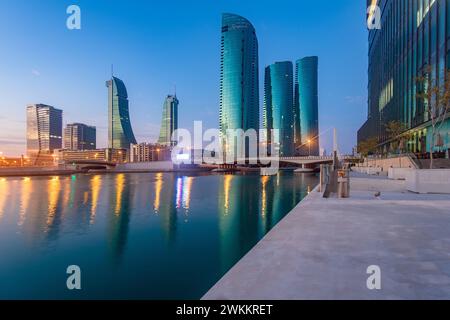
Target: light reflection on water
[[135, 235]]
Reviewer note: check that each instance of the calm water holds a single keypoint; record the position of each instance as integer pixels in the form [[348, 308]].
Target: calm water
[[141, 236]]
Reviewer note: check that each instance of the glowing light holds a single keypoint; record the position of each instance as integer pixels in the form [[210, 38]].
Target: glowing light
[[3, 195], [24, 200], [264, 181], [120, 185], [158, 187], [179, 192], [372, 11], [187, 185], [96, 183], [227, 186], [53, 190], [85, 197]]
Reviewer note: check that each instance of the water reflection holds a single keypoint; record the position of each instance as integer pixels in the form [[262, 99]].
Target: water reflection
[[238, 217], [96, 184], [226, 192], [250, 207], [159, 182], [53, 208], [136, 224], [187, 186], [119, 222], [120, 185], [3, 195], [27, 189], [169, 205], [179, 192]]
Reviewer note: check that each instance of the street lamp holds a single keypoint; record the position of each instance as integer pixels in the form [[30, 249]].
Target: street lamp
[[309, 147]]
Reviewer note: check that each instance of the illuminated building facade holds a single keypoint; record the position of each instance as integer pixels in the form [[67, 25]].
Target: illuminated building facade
[[278, 105], [44, 130], [413, 42], [78, 136], [145, 152], [307, 105], [239, 82]]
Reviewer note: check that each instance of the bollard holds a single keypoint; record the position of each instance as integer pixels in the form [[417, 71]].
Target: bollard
[[322, 177], [344, 183]]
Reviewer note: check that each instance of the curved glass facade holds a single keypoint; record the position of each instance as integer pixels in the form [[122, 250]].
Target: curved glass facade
[[239, 88], [120, 133], [307, 104], [169, 121], [278, 104]]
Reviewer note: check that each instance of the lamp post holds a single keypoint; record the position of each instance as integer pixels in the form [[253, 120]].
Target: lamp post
[[309, 147]]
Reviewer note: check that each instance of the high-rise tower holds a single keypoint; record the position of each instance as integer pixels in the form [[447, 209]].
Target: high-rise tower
[[239, 87], [120, 133], [169, 121], [278, 105], [307, 105], [44, 129]]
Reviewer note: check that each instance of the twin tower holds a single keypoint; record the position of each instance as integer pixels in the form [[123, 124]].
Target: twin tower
[[290, 101], [120, 132]]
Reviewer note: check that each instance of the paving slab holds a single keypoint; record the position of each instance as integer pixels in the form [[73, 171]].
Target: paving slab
[[322, 249]]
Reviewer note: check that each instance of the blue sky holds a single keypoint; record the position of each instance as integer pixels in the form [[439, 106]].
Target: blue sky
[[155, 45]]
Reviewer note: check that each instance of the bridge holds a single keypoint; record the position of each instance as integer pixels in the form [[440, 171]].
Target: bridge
[[310, 160], [93, 164]]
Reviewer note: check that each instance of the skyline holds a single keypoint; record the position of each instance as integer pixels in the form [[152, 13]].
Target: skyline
[[54, 77]]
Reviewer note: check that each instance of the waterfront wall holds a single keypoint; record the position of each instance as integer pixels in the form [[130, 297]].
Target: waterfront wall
[[37, 171], [146, 166], [385, 164], [428, 181]]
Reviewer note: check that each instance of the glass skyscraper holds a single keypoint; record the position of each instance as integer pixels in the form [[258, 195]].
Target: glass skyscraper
[[239, 82], [169, 121], [278, 105], [307, 105], [413, 41], [78, 136], [44, 129], [120, 133]]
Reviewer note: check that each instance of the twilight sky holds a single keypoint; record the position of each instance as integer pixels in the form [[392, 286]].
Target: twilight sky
[[155, 45]]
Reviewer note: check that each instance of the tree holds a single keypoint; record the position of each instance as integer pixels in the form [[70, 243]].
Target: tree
[[367, 146], [394, 129], [436, 100]]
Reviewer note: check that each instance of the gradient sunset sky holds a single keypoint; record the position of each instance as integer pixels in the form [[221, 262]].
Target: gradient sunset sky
[[155, 45]]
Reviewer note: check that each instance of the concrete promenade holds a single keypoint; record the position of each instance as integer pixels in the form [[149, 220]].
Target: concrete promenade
[[322, 249]]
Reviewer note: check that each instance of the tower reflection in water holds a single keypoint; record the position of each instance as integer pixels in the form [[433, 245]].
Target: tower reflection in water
[[138, 229], [250, 206], [120, 220]]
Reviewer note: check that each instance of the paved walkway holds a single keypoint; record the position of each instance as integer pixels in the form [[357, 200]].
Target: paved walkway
[[322, 249]]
